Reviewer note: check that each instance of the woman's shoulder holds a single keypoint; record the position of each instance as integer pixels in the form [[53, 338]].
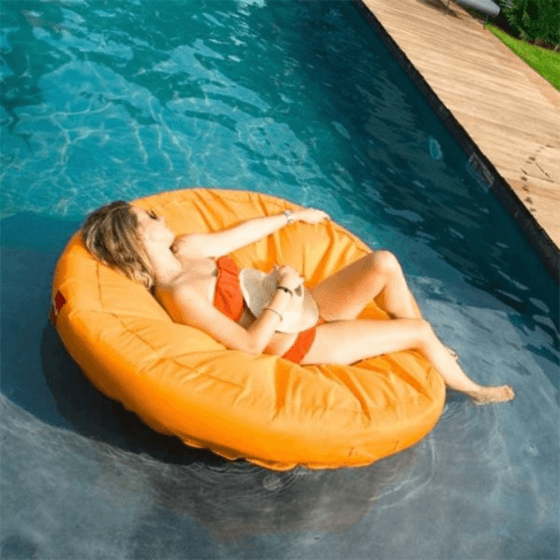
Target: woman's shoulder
[[197, 278], [177, 296], [169, 288]]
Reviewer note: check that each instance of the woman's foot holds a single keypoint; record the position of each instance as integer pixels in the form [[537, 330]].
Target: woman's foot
[[488, 395]]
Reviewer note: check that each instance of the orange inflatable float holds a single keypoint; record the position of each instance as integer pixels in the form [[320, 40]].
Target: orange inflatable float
[[270, 411]]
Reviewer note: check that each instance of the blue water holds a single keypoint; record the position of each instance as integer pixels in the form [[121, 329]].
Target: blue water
[[122, 99]]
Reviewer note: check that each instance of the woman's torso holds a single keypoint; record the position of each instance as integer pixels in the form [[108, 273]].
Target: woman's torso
[[202, 275]]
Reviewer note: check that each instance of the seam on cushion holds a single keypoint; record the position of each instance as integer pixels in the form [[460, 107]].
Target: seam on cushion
[[99, 291], [316, 408], [135, 334], [408, 378], [127, 329], [144, 341], [322, 408], [352, 387], [360, 412], [170, 358], [223, 380]]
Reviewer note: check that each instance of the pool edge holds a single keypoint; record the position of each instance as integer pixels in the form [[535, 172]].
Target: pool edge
[[535, 234]]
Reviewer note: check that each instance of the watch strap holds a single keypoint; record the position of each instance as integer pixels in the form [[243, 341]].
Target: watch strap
[[289, 216]]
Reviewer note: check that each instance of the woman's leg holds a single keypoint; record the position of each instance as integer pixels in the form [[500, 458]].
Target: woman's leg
[[344, 295], [346, 342], [377, 276]]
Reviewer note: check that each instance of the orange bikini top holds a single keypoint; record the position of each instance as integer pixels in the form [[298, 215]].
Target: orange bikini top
[[228, 298]]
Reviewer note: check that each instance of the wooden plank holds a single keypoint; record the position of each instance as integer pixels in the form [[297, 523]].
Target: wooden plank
[[534, 187]]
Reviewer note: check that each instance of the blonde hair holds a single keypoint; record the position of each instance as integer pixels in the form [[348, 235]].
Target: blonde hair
[[111, 235]]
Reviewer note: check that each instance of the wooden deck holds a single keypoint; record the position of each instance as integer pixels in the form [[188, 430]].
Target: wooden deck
[[510, 112]]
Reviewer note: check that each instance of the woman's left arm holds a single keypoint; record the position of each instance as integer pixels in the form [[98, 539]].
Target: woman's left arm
[[220, 243]]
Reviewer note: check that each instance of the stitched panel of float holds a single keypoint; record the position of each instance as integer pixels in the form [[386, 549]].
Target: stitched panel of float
[[272, 412]]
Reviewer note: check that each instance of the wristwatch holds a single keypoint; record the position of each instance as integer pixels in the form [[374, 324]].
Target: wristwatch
[[289, 216]]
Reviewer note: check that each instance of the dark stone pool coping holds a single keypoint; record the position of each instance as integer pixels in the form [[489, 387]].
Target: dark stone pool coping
[[525, 221]]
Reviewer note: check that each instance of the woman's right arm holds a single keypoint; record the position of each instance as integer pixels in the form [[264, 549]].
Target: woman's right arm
[[219, 243], [188, 307]]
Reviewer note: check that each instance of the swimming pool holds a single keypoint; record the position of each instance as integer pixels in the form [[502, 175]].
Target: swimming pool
[[300, 100]]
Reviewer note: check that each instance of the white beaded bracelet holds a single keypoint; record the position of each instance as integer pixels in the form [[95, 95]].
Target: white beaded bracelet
[[274, 311]]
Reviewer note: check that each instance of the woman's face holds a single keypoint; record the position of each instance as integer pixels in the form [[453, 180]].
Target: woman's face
[[153, 228]]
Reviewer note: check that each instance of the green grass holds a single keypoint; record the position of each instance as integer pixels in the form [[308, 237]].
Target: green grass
[[544, 61]]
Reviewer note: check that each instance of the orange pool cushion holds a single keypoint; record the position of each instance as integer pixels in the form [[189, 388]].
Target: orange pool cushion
[[268, 410]]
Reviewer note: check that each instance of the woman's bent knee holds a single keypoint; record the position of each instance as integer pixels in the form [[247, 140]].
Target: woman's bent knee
[[385, 261]]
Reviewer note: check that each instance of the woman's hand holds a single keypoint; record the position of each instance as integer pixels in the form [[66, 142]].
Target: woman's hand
[[178, 242], [311, 216], [288, 277]]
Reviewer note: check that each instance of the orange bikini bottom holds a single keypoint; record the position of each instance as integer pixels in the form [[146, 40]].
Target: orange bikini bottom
[[302, 344]]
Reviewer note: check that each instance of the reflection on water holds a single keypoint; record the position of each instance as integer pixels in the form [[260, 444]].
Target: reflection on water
[[300, 100], [140, 492]]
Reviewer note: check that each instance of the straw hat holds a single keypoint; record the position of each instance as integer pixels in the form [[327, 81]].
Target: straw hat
[[258, 288]]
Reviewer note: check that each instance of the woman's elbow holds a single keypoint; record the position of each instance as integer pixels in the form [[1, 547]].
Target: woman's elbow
[[254, 348], [253, 345], [247, 341], [247, 344]]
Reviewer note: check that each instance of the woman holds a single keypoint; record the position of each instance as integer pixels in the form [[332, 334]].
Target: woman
[[189, 282]]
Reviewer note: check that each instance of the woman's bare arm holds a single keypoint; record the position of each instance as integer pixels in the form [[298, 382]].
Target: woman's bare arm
[[217, 244], [188, 307]]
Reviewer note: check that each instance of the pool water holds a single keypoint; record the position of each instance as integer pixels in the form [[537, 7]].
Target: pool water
[[116, 100]]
